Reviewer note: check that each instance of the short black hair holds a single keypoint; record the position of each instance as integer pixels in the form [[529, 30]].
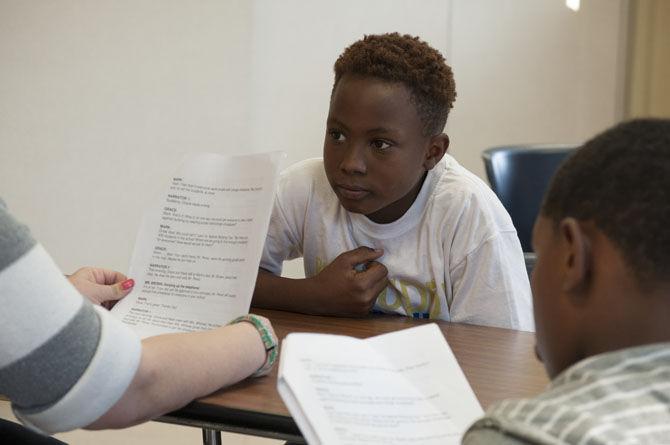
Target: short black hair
[[411, 61], [620, 180]]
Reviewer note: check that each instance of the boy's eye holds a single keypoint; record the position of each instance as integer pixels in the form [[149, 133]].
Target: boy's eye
[[379, 144], [336, 135]]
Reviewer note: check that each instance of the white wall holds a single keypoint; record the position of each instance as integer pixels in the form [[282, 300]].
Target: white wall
[[99, 100], [98, 103], [296, 43]]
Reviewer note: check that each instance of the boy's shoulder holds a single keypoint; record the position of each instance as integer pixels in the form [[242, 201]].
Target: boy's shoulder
[[304, 169], [578, 404], [304, 182], [303, 175], [462, 194], [454, 180]]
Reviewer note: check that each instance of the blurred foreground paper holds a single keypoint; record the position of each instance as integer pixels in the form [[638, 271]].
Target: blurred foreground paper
[[404, 387], [197, 252]]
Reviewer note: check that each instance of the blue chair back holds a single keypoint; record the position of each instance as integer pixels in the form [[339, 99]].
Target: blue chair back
[[519, 175]]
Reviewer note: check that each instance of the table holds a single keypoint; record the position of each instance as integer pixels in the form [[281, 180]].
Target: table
[[498, 363]]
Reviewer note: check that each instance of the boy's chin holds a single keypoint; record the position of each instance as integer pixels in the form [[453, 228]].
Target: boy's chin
[[371, 213], [353, 208]]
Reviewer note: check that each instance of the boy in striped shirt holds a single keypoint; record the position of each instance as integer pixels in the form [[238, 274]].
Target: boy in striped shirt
[[601, 292]]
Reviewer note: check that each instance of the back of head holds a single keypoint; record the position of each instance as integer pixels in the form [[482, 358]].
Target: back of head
[[410, 61], [620, 180]]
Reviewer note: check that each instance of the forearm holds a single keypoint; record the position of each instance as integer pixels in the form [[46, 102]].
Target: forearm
[[288, 294], [177, 368]]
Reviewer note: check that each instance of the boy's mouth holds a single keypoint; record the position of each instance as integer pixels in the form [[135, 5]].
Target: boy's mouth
[[351, 191]]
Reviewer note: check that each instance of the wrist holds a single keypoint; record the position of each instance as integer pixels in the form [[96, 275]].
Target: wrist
[[268, 338], [315, 301]]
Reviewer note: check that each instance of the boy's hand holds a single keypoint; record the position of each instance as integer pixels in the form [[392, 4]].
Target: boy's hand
[[347, 287]]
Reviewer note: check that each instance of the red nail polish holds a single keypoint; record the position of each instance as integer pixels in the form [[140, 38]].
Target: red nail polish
[[129, 283]]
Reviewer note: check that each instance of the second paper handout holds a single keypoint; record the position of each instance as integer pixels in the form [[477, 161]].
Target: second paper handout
[[397, 388]]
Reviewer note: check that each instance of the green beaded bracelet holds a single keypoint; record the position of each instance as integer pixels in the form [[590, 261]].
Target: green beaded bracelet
[[270, 342]]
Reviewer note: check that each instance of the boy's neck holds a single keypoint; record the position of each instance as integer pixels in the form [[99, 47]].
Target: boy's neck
[[397, 209], [644, 328], [628, 315]]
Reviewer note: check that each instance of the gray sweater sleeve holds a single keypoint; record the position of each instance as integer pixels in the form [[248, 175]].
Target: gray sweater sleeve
[[55, 345], [15, 239], [44, 375]]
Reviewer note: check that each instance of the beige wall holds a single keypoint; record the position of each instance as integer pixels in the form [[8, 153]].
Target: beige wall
[[649, 68], [534, 71]]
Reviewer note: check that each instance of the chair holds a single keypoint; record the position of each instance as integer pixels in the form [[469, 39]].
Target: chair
[[519, 175]]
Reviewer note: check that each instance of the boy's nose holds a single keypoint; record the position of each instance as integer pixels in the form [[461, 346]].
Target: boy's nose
[[353, 161]]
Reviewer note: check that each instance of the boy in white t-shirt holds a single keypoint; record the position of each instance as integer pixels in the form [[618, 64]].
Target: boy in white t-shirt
[[386, 221]]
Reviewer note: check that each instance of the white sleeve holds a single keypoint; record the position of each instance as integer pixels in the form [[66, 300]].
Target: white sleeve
[[284, 240], [490, 286], [280, 244]]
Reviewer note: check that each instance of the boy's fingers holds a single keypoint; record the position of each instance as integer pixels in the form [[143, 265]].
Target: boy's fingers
[[362, 255], [376, 288], [376, 272], [375, 279]]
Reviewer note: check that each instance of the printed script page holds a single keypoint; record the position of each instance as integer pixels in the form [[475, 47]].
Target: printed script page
[[197, 252], [342, 390]]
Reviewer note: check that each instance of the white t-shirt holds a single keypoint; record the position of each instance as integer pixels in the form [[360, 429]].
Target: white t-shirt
[[454, 255]]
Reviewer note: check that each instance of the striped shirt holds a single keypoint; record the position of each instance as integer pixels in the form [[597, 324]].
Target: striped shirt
[[63, 361], [620, 397]]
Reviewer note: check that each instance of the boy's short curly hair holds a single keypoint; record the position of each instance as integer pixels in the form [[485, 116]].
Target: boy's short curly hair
[[411, 61], [620, 180]]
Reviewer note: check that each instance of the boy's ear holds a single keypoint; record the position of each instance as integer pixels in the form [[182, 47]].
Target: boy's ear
[[437, 147], [578, 259]]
